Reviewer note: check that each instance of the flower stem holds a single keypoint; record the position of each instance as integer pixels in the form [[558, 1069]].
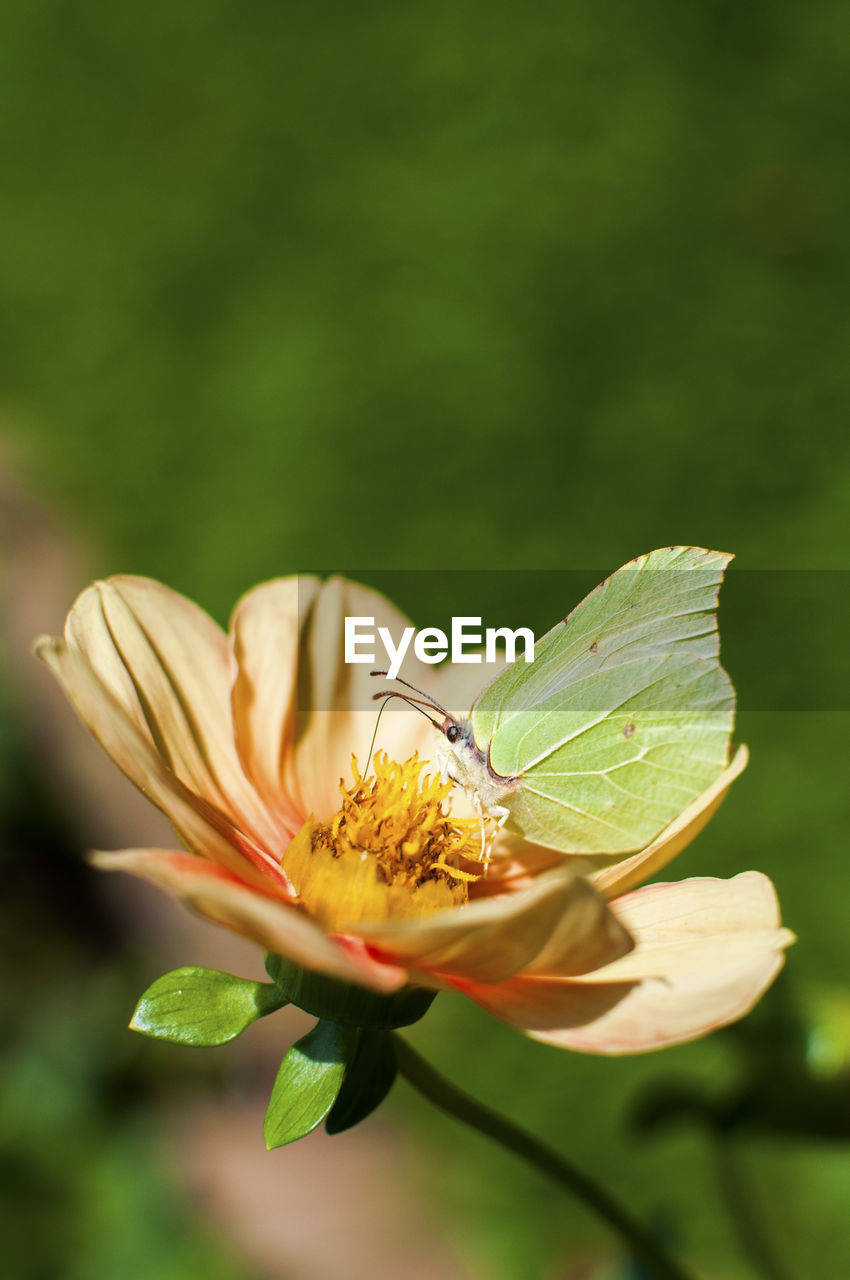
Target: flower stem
[[738, 1196], [462, 1106]]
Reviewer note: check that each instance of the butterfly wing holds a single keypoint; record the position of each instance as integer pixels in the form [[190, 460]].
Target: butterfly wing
[[625, 715]]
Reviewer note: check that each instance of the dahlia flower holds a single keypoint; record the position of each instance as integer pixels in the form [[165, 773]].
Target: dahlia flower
[[246, 739]]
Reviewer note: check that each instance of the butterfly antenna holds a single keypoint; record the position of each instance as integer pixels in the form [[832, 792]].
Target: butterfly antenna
[[374, 736], [416, 703], [432, 702], [386, 694]]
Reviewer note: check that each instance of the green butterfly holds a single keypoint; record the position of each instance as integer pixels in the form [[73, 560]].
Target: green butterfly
[[622, 720]]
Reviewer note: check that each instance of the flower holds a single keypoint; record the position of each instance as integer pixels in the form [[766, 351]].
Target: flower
[[242, 740]]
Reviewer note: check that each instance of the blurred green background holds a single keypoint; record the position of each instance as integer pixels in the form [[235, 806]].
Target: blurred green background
[[384, 285]]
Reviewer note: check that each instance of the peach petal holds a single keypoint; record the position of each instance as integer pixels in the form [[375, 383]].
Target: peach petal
[[699, 925], [204, 828], [277, 926], [336, 715], [547, 1007], [673, 839], [704, 954], [168, 665], [657, 1013], [264, 632], [558, 925]]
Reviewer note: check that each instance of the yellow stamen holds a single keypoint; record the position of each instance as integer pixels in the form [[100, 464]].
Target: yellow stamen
[[392, 850]]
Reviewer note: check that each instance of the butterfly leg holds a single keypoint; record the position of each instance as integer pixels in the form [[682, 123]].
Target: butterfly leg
[[495, 813], [500, 814], [485, 852]]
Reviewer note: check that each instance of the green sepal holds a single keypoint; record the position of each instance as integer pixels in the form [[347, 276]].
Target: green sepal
[[203, 1007], [308, 1083], [342, 1001], [368, 1080]]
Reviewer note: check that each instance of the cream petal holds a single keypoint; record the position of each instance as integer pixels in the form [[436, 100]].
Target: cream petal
[[336, 715], [695, 926], [711, 947], [546, 1008], [640, 866], [204, 828], [558, 925], [656, 1013], [264, 633], [168, 665], [273, 924]]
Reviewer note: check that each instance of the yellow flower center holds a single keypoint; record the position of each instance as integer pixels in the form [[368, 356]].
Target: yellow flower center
[[392, 850]]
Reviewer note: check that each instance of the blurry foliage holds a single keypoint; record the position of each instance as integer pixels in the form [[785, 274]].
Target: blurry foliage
[[86, 1189], [465, 285], [792, 1077], [421, 284]]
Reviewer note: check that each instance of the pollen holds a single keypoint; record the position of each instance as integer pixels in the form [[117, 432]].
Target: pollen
[[392, 850]]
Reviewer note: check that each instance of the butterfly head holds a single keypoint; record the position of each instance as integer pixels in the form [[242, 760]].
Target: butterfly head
[[452, 730], [461, 758], [460, 746]]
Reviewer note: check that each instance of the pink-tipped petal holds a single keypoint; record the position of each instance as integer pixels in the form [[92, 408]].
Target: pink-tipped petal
[[550, 1009], [203, 827], [168, 665], [557, 925], [264, 631], [336, 714], [705, 951], [277, 926], [698, 925], [659, 1012]]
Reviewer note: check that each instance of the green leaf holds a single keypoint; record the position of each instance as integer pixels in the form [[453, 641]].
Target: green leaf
[[203, 1007], [367, 1082], [307, 1083]]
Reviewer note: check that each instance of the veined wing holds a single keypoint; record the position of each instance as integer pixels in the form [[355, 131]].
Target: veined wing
[[606, 776], [626, 713]]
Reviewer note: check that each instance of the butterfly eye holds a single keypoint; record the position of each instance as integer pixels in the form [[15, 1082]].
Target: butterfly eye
[[453, 733]]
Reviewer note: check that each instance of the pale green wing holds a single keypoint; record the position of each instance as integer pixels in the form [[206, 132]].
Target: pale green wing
[[625, 715]]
